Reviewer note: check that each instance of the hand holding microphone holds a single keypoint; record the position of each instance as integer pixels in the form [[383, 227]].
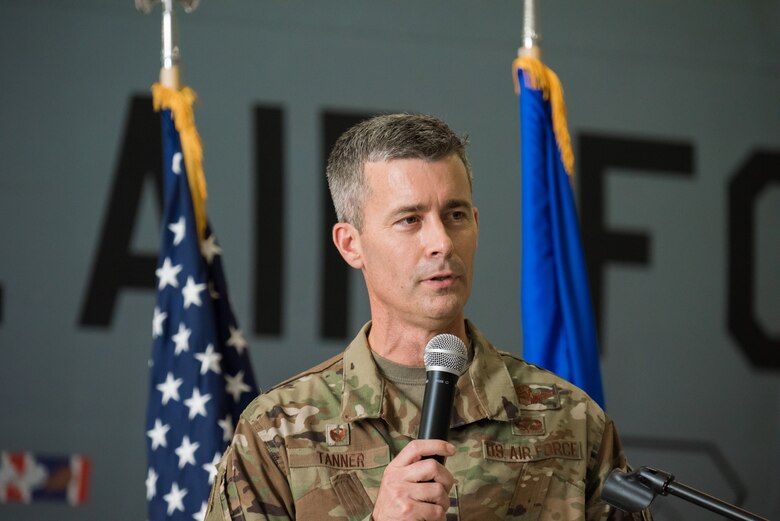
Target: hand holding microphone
[[416, 485]]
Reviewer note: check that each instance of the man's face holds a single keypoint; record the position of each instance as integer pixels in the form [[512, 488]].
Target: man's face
[[417, 245]]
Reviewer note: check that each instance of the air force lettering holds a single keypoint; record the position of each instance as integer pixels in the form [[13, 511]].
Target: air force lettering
[[541, 450]]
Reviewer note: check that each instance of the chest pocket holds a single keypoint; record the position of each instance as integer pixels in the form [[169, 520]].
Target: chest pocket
[[530, 494], [336, 483], [546, 497]]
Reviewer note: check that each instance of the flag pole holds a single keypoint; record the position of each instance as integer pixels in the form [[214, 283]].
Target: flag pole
[[169, 55], [169, 70], [531, 36]]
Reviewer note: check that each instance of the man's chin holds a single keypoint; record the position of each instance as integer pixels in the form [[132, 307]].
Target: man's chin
[[445, 309]]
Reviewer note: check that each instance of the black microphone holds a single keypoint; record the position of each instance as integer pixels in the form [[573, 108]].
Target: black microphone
[[445, 359]]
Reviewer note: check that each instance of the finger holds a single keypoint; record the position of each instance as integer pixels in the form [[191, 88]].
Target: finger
[[427, 470], [416, 449], [433, 493], [431, 511], [444, 478]]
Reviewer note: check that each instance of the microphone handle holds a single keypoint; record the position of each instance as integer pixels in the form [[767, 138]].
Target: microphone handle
[[437, 407]]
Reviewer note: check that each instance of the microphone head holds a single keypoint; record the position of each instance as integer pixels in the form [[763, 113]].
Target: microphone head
[[446, 353]]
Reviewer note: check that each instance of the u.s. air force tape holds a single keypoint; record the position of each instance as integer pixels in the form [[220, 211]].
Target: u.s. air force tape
[[498, 451]]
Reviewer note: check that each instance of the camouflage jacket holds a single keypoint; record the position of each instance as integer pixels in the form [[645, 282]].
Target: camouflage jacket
[[529, 444]]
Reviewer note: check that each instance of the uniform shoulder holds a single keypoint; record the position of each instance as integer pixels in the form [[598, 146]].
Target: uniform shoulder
[[316, 388], [521, 370], [528, 377]]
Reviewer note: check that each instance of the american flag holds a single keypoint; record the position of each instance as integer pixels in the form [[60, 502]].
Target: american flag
[[201, 377]]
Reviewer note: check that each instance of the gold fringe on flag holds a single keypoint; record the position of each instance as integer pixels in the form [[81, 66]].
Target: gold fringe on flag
[[180, 103], [539, 77]]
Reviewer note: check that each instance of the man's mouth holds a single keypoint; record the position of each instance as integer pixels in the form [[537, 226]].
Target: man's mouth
[[442, 279]]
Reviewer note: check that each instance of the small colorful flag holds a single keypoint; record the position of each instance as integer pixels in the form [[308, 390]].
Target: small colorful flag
[[26, 478], [201, 377], [559, 331]]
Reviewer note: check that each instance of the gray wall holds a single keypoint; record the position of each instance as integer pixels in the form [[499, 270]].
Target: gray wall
[[704, 73]]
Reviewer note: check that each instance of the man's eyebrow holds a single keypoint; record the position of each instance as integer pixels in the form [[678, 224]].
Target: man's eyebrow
[[412, 208], [416, 208], [457, 203]]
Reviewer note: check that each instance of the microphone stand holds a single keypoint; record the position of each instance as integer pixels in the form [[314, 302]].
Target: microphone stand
[[632, 492]]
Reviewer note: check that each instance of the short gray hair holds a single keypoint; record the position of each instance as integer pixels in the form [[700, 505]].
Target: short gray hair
[[383, 138]]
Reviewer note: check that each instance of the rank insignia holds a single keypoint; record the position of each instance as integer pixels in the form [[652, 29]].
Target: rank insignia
[[529, 426], [538, 397], [337, 434]]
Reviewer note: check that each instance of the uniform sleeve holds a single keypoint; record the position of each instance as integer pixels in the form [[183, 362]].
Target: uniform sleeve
[[609, 456], [251, 482]]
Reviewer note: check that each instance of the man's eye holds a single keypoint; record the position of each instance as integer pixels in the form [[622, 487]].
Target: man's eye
[[409, 220], [458, 216]]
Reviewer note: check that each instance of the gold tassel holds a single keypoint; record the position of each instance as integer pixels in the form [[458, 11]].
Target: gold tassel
[[180, 103], [540, 77]]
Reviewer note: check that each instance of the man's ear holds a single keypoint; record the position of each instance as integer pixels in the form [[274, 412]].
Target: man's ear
[[476, 221], [347, 241]]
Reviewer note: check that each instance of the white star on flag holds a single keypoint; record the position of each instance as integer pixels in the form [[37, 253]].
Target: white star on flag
[[167, 274], [191, 293], [186, 452], [176, 163], [182, 339], [209, 360], [211, 467], [157, 322], [179, 228], [174, 498], [197, 403], [157, 434], [226, 425], [200, 515], [209, 248], [151, 484], [170, 388], [236, 339], [235, 385]]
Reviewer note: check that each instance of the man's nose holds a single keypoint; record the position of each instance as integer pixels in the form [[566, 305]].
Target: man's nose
[[437, 238]]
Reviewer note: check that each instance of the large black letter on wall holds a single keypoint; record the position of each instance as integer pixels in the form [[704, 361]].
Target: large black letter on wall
[[115, 266], [761, 170], [334, 299], [269, 220], [597, 155]]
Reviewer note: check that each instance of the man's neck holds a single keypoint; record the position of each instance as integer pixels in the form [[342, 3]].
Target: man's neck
[[405, 344]]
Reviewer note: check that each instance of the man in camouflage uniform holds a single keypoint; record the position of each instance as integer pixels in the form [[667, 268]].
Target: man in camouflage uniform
[[339, 441]]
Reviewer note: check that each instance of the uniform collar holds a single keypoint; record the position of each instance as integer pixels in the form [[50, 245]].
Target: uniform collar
[[485, 391], [364, 388]]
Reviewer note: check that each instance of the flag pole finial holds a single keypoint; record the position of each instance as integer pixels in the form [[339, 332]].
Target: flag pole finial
[[169, 56], [531, 36]]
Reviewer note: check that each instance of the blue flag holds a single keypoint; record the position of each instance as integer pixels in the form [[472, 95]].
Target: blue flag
[[559, 331], [201, 378]]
